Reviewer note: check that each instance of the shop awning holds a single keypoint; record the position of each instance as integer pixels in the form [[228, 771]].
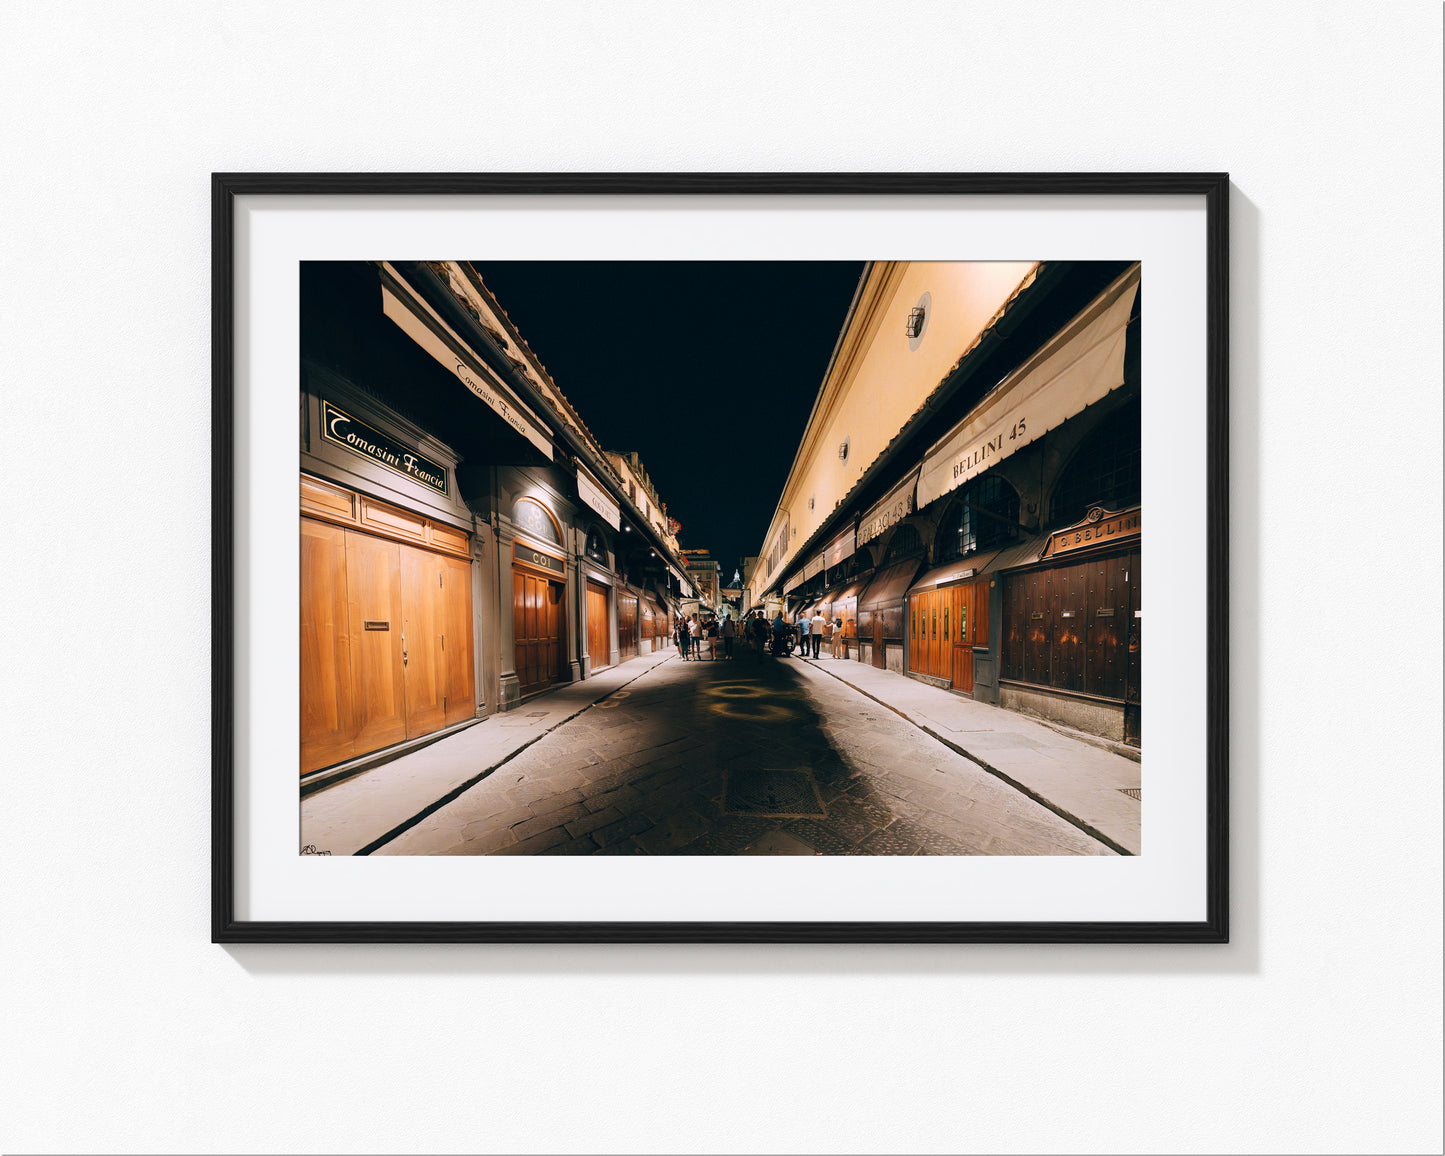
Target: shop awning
[[1022, 554], [853, 589], [813, 566], [795, 581], [422, 324], [955, 571], [591, 492], [1081, 365], [896, 506], [840, 547], [890, 585]]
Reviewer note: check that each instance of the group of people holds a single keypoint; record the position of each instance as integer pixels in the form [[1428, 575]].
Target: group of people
[[805, 635], [695, 635], [698, 637]]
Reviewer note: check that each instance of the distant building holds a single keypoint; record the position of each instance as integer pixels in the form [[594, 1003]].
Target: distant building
[[704, 571], [966, 495]]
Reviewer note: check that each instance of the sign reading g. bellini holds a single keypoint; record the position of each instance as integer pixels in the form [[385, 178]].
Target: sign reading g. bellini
[[360, 438]]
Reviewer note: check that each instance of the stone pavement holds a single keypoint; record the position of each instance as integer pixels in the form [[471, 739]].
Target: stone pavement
[[750, 756], [353, 814], [1077, 780]]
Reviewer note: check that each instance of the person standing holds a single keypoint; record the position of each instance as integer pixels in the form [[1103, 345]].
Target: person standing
[[837, 636], [694, 630], [816, 626], [684, 640], [729, 632], [760, 633]]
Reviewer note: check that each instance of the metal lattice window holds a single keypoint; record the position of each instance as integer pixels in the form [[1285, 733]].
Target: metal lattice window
[[905, 542], [1104, 471], [967, 526]]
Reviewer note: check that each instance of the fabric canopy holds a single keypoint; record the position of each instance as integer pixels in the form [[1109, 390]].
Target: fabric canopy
[[896, 506], [890, 585], [955, 571], [840, 547], [1082, 364]]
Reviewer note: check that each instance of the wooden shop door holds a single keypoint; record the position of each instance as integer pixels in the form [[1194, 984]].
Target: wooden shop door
[[328, 714], [963, 633], [878, 639], [598, 648], [460, 700], [424, 662], [538, 625]]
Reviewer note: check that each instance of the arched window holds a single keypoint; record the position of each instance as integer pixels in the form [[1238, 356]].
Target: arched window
[[596, 546], [1103, 472], [980, 519], [537, 520], [905, 542]]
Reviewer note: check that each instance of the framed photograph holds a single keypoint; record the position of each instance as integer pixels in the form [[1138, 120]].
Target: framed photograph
[[720, 557]]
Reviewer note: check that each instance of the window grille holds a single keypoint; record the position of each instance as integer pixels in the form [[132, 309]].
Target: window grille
[[1103, 472], [967, 527]]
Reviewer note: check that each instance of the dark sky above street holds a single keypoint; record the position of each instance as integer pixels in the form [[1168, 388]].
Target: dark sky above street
[[665, 357]]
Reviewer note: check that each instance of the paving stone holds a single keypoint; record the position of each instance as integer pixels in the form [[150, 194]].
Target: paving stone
[[582, 846], [590, 822], [826, 839], [889, 842], [676, 830], [537, 843], [557, 801], [528, 828], [925, 838], [620, 830], [623, 797]]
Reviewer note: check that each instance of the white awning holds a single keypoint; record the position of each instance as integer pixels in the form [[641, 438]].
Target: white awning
[[892, 509], [814, 565], [595, 496], [841, 547], [421, 323], [1082, 364]]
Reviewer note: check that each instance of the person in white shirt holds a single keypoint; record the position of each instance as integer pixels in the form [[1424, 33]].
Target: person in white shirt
[[817, 624]]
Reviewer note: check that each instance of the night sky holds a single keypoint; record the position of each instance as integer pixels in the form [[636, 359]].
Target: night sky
[[658, 356]]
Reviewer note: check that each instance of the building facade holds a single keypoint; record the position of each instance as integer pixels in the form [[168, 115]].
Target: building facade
[[966, 498], [465, 542]]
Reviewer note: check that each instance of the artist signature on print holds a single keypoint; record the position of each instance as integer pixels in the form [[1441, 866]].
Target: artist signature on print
[[310, 849]]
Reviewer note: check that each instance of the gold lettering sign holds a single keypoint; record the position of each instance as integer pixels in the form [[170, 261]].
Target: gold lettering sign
[[536, 558], [1097, 528]]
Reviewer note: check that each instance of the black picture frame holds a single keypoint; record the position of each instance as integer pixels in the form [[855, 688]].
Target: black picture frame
[[226, 187]]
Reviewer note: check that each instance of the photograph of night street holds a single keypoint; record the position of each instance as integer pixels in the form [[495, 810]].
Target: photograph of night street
[[720, 558]]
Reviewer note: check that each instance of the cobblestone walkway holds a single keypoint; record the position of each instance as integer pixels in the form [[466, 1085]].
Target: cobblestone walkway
[[745, 756]]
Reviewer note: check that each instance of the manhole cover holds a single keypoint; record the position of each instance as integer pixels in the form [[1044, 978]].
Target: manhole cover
[[784, 794], [536, 714], [1132, 792]]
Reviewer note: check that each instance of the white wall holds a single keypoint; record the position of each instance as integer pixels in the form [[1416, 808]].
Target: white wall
[[1317, 1029]]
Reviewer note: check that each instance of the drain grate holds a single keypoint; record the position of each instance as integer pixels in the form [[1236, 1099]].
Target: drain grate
[[780, 793], [1132, 792]]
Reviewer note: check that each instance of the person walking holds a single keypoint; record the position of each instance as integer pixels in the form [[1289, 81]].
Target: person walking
[[729, 632], [712, 635], [760, 633], [694, 630], [684, 640], [817, 624]]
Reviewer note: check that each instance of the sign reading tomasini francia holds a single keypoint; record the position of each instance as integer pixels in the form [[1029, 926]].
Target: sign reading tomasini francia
[[360, 438]]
